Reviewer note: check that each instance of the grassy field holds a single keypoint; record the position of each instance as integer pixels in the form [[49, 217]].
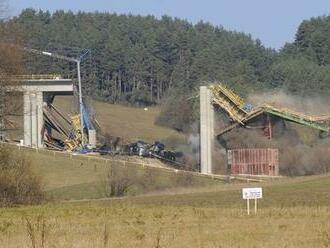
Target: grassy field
[[69, 177], [176, 211], [129, 123], [293, 213], [163, 209]]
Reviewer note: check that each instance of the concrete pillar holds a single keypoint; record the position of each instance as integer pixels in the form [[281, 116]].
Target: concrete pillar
[[92, 138], [39, 118], [206, 130], [34, 136], [27, 119], [33, 119]]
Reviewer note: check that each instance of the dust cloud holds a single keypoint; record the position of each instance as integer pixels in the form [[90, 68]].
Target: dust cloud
[[307, 105]]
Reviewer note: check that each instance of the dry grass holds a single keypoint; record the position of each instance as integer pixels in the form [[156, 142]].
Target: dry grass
[[295, 213]]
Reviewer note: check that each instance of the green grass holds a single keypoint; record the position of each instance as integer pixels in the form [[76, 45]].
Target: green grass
[[129, 123], [70, 177]]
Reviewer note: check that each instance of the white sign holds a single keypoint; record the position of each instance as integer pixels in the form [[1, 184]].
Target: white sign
[[252, 193]]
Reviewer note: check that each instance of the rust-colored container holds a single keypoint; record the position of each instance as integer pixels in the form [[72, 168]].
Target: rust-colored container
[[253, 161]]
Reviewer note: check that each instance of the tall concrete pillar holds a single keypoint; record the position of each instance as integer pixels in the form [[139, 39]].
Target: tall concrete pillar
[[33, 119], [34, 122], [206, 130], [27, 119], [39, 118]]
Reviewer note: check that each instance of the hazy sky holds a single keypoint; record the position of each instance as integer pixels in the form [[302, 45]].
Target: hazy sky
[[274, 22]]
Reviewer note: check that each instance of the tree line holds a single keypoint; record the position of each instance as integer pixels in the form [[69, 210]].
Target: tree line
[[144, 60], [137, 59]]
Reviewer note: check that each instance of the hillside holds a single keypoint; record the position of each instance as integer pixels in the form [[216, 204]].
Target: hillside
[[72, 177], [129, 123]]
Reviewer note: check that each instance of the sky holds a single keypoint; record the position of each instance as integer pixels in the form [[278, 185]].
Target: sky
[[274, 22]]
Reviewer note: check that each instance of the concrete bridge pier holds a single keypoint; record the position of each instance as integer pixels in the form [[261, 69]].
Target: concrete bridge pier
[[36, 92], [206, 130], [33, 119]]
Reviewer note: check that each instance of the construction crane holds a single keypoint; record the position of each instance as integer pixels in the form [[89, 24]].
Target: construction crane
[[78, 61]]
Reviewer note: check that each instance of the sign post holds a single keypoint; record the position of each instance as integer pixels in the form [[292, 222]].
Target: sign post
[[252, 193], [255, 205]]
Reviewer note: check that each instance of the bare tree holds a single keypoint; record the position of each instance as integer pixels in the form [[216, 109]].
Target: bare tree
[[3, 9], [2, 93], [10, 63]]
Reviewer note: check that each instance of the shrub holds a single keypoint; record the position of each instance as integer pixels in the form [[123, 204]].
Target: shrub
[[19, 184], [117, 182], [177, 112]]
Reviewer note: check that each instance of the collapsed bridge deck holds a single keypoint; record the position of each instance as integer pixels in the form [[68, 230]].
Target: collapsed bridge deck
[[241, 112]]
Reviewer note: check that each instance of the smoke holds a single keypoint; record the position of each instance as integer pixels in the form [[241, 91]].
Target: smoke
[[193, 141], [192, 147], [308, 105]]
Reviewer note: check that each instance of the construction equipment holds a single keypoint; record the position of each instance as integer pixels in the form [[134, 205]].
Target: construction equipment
[[69, 136], [241, 112], [76, 138]]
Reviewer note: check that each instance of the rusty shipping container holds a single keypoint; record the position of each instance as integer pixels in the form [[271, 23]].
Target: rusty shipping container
[[253, 161]]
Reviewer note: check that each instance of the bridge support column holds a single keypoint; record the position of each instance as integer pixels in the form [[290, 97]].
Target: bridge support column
[[27, 120], [33, 119], [39, 119], [206, 130]]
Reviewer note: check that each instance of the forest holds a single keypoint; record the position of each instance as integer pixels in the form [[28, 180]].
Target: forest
[[144, 60]]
